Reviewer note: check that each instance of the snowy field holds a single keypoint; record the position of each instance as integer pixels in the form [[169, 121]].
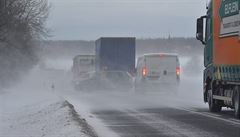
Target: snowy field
[[33, 109]]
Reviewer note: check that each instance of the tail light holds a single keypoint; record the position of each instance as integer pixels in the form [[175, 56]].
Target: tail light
[[178, 71], [144, 72]]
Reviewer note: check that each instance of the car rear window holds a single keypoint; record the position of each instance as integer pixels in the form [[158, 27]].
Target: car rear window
[[162, 62]]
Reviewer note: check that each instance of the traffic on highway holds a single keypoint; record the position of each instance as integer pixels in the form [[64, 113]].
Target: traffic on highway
[[119, 68]]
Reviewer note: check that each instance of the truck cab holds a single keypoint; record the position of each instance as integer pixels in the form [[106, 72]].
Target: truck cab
[[219, 31], [83, 68]]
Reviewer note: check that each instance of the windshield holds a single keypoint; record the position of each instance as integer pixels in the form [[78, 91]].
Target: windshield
[[86, 65]]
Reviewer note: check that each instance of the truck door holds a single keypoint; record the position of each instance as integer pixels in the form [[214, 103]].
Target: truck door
[[208, 50]]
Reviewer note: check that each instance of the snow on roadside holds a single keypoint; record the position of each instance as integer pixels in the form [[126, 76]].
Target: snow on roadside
[[39, 114]]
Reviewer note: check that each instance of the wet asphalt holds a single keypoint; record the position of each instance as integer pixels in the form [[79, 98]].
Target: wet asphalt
[[157, 115], [170, 122]]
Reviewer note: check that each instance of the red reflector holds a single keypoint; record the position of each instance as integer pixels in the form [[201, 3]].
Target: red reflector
[[144, 71], [178, 71]]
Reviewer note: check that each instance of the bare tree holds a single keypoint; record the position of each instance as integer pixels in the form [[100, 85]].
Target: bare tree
[[22, 23], [27, 17]]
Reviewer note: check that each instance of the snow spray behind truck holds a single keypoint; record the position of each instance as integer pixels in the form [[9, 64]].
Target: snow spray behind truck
[[221, 54]]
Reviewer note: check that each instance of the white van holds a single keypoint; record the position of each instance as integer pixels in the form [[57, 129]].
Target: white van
[[157, 71]]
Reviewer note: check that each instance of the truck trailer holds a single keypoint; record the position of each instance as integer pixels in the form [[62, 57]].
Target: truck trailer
[[115, 54], [219, 31]]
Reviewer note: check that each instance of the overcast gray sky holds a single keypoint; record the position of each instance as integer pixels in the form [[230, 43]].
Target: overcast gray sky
[[91, 19]]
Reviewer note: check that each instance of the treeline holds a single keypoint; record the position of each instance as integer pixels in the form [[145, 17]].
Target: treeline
[[65, 48], [22, 24], [182, 46]]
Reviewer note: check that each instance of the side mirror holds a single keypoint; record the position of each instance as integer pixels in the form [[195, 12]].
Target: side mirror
[[199, 34], [200, 28]]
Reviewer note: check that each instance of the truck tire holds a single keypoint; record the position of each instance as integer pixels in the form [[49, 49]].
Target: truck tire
[[213, 107], [237, 102]]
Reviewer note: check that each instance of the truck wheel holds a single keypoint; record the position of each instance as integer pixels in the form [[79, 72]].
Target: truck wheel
[[213, 107], [237, 102]]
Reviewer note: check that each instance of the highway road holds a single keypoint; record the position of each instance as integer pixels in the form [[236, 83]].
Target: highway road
[[169, 122], [129, 114]]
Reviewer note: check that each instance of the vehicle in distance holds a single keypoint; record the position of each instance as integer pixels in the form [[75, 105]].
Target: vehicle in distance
[[115, 54], [221, 54], [115, 62], [83, 68], [158, 72]]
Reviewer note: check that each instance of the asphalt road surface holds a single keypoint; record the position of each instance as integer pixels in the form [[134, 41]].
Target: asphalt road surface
[[157, 115], [169, 122]]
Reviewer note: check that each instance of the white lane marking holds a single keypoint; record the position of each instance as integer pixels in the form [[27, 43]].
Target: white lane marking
[[232, 119], [193, 109], [211, 116], [137, 124], [124, 115]]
